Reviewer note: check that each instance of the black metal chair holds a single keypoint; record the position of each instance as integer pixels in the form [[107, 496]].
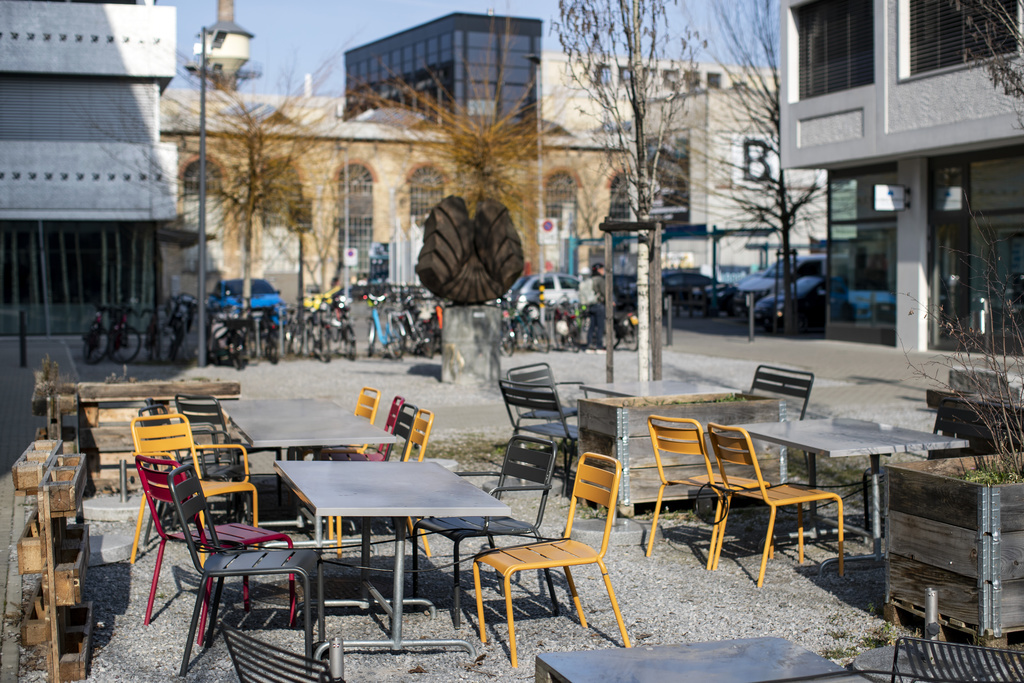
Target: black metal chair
[[916, 659], [224, 560], [259, 662], [540, 373], [206, 419], [784, 382], [962, 419], [528, 460], [523, 399]]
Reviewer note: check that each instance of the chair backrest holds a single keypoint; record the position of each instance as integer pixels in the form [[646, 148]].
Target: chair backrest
[[528, 398], [389, 425], [962, 419], [260, 662], [732, 446], [796, 384], [529, 460], [597, 482], [193, 513], [422, 424], [163, 434], [367, 402], [201, 410], [153, 408], [153, 477], [535, 373], [916, 659], [677, 436], [403, 432]]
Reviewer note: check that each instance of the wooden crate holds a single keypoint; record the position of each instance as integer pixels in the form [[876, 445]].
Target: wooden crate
[[30, 547], [34, 627], [963, 539], [618, 427], [106, 410], [27, 471], [76, 649]]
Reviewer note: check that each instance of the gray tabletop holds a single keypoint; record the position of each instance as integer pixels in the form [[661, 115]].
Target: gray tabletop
[[283, 423], [386, 489], [838, 437], [656, 388], [727, 661]]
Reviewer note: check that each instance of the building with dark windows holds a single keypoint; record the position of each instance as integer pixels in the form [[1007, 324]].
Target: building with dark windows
[[467, 57], [879, 92], [85, 183]]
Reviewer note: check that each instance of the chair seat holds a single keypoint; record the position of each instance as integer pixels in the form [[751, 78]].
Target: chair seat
[[553, 430], [562, 553], [790, 494], [243, 534], [256, 562], [548, 414], [340, 455], [735, 483], [468, 527]]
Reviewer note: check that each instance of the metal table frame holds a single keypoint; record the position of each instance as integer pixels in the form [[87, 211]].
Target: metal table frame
[[842, 437], [387, 489]]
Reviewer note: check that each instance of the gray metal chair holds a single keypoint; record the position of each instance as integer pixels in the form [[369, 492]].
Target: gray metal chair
[[916, 659], [224, 560], [259, 662], [786, 383], [528, 460], [540, 373], [206, 420], [528, 405]]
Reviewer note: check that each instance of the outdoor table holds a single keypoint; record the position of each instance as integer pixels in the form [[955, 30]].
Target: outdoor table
[[839, 437], [302, 423], [387, 489], [654, 388], [745, 660]]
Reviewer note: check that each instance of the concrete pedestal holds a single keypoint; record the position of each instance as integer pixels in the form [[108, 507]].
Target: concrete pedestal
[[469, 344]]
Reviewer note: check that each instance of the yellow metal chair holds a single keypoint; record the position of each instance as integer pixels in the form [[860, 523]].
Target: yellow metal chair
[[680, 436], [597, 482], [170, 435], [367, 403], [733, 447]]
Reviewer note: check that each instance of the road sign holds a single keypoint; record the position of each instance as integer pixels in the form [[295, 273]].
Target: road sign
[[351, 257], [547, 231]]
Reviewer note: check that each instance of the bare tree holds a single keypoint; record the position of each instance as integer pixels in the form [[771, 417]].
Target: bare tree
[[631, 37], [746, 46]]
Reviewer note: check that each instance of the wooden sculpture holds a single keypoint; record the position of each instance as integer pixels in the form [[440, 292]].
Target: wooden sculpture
[[469, 261]]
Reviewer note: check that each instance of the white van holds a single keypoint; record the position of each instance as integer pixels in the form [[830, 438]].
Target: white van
[[763, 282]]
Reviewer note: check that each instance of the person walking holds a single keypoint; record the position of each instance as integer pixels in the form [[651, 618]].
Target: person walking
[[595, 339]]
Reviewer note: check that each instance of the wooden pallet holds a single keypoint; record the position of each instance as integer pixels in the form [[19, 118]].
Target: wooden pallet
[[59, 551]]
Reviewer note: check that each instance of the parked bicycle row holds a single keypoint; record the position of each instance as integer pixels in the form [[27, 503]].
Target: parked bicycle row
[[566, 327]]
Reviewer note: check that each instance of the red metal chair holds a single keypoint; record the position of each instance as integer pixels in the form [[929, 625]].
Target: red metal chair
[[153, 477], [383, 451]]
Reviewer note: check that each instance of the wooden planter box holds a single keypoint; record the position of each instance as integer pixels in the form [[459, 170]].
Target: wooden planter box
[[618, 427], [963, 539]]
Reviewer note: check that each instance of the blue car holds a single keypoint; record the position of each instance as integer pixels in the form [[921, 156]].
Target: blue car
[[228, 294]]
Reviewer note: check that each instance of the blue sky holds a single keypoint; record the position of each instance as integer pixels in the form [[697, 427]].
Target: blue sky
[[296, 37]]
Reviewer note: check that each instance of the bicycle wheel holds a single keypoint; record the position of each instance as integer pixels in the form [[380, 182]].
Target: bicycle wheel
[[177, 339], [371, 347], [539, 337], [270, 348], [94, 346], [125, 344], [348, 341], [508, 342]]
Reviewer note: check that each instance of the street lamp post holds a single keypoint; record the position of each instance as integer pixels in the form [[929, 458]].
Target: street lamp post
[[201, 290], [535, 58]]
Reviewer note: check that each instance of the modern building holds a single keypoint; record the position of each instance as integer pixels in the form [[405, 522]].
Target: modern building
[[467, 57], [879, 93], [85, 183]]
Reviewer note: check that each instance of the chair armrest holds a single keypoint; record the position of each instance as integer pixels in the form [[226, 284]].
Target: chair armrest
[[578, 382], [479, 474], [222, 446], [530, 487]]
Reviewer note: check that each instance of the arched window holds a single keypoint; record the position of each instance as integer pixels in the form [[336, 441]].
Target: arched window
[[359, 193], [426, 189], [560, 199], [618, 208]]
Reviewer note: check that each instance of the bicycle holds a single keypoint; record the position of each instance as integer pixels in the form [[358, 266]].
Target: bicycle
[[95, 339], [569, 326], [415, 335], [386, 332], [343, 334]]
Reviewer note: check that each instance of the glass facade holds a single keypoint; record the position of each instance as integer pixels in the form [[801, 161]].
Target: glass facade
[[63, 269], [977, 223], [479, 61], [862, 260]]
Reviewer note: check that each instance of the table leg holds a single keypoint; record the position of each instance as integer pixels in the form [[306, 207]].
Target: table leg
[[876, 520]]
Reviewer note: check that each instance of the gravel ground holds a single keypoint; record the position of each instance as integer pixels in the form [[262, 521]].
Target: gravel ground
[[667, 598]]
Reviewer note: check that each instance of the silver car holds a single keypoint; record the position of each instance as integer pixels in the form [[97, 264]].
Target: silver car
[[558, 287]]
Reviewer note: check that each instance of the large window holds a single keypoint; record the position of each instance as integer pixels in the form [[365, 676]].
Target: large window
[[943, 33], [836, 45], [360, 214], [862, 252], [560, 199], [426, 189]]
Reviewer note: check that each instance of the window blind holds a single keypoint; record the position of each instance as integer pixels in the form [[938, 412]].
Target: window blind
[[836, 46], [946, 33]]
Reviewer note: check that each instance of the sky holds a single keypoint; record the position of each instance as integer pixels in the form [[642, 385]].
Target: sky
[[296, 37]]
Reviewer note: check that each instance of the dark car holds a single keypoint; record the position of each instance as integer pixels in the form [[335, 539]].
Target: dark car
[[228, 294], [680, 285], [811, 305]]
